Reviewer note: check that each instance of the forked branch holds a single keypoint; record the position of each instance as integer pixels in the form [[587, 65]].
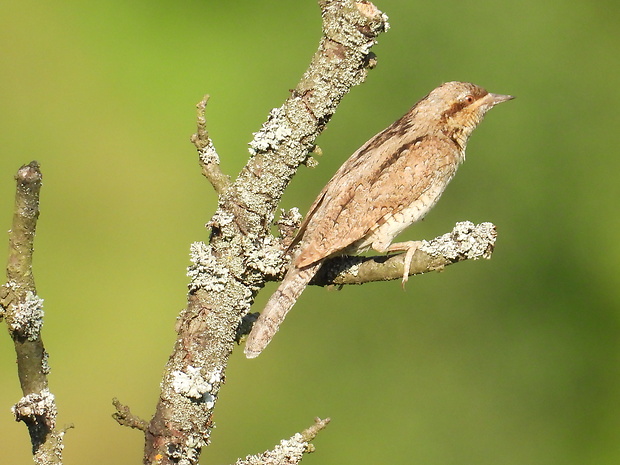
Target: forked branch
[[242, 254]]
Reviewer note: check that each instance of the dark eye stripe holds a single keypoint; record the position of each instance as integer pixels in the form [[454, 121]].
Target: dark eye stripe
[[457, 106]]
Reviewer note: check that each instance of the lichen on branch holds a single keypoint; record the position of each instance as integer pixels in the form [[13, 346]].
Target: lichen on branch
[[241, 255], [23, 311]]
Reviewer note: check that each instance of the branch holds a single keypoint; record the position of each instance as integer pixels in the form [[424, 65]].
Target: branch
[[289, 451], [208, 157], [124, 417], [23, 311], [465, 242], [242, 255]]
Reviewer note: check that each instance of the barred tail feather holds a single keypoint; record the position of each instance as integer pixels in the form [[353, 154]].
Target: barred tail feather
[[277, 307]]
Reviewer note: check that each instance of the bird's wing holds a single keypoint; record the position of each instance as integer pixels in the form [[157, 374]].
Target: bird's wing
[[356, 163], [367, 190]]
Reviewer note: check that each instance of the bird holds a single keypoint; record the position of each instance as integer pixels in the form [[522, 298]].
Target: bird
[[389, 183]]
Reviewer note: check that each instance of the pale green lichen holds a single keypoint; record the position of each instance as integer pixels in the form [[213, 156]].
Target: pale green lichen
[[26, 318], [289, 220], [37, 406], [45, 365], [205, 272], [191, 383], [188, 453], [268, 258], [208, 155], [273, 132], [466, 240], [289, 451]]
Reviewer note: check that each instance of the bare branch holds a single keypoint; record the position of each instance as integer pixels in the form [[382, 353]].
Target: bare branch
[[319, 425], [124, 417], [289, 451], [242, 255], [465, 242], [208, 157], [23, 311]]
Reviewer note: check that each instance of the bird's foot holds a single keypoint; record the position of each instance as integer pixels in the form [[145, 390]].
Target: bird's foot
[[409, 247]]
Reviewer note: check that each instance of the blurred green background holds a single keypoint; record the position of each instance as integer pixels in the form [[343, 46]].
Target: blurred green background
[[501, 362]]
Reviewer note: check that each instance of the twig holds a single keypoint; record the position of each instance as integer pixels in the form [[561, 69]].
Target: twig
[[124, 417], [289, 451], [319, 425], [207, 155], [23, 311]]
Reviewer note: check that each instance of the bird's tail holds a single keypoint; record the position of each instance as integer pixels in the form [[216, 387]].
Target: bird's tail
[[277, 307]]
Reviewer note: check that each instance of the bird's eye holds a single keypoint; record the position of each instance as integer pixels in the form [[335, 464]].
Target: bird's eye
[[469, 99]]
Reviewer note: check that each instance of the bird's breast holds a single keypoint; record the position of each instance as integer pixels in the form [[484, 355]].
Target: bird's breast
[[395, 221]]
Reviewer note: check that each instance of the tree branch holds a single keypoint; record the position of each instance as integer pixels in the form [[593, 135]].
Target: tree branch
[[208, 157], [242, 255], [465, 242], [289, 451], [124, 417], [23, 311]]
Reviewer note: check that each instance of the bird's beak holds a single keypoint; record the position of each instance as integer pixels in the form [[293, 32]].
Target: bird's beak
[[494, 99]]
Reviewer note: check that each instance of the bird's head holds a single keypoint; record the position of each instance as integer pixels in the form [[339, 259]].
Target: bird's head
[[458, 107]]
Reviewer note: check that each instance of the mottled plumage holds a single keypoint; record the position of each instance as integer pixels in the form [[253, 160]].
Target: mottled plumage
[[390, 182]]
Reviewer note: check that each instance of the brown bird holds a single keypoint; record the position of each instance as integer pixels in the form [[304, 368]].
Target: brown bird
[[389, 183]]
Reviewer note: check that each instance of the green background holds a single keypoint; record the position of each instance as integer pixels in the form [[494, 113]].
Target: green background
[[501, 362]]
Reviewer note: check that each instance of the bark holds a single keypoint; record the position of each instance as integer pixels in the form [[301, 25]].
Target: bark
[[23, 312], [242, 255]]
